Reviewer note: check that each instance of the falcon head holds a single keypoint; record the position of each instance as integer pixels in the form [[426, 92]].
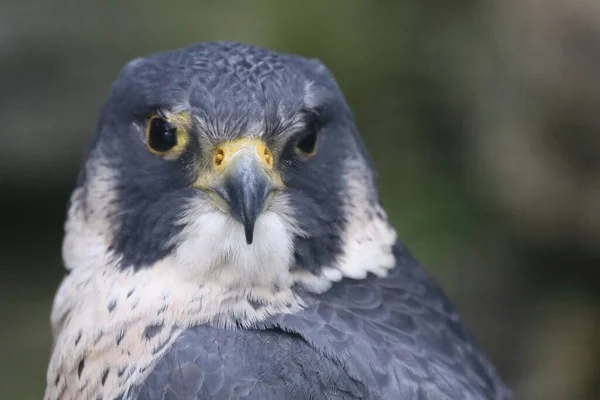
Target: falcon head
[[224, 184], [230, 167], [229, 163]]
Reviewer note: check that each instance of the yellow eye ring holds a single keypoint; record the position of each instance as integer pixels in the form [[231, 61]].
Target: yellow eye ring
[[165, 138]]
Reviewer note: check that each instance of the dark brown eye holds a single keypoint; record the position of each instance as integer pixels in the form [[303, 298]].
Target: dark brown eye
[[161, 136], [168, 136], [307, 144]]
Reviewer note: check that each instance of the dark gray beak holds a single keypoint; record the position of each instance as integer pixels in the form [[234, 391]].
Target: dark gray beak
[[245, 187], [244, 180]]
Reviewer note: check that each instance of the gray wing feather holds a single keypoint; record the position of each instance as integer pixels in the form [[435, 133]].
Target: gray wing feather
[[209, 363], [399, 336], [382, 338]]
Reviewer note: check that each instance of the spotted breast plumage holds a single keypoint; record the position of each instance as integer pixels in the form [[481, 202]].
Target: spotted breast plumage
[[225, 240]]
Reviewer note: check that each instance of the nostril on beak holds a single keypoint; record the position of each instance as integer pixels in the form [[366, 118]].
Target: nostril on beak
[[267, 157], [218, 158]]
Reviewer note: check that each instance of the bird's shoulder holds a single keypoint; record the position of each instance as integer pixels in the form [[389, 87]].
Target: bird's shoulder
[[212, 363], [399, 335]]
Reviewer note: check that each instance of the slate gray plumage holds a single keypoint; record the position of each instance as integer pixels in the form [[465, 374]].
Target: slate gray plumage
[[318, 300], [391, 338]]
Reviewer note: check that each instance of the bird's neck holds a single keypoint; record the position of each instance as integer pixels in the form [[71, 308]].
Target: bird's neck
[[124, 319], [105, 316]]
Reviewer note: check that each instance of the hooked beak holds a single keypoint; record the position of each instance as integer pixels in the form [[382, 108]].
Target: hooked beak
[[244, 180]]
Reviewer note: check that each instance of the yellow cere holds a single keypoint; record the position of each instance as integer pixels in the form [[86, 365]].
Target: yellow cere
[[222, 155], [226, 151]]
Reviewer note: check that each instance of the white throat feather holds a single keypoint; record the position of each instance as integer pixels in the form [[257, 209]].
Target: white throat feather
[[112, 324]]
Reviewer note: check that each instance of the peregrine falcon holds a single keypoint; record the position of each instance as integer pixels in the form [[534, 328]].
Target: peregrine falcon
[[225, 240]]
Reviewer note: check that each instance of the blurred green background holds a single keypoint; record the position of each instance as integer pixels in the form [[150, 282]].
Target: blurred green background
[[483, 118]]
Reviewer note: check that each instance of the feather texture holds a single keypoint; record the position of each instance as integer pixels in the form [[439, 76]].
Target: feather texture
[[395, 337]]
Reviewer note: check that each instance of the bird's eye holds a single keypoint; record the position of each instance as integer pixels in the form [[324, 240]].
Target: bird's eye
[[307, 144], [164, 137]]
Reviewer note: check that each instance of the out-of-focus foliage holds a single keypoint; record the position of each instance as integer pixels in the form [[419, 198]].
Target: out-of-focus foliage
[[483, 119]]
